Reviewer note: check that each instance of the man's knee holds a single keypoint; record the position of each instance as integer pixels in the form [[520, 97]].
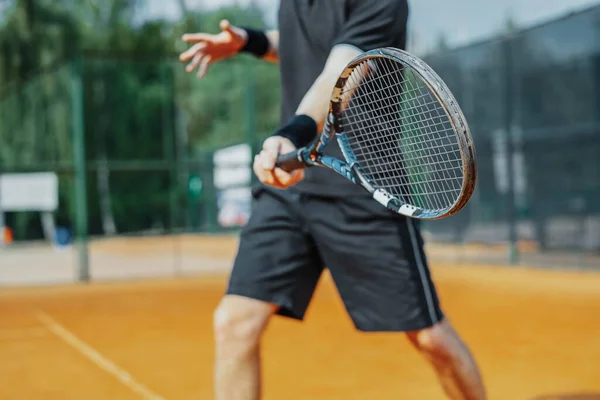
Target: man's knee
[[240, 320], [438, 343]]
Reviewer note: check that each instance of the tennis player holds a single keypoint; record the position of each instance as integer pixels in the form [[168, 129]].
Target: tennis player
[[308, 220]]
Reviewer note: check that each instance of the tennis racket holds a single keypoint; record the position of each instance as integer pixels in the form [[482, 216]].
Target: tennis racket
[[402, 135]]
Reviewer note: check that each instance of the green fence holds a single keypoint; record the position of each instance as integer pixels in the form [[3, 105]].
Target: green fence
[[134, 143], [532, 100]]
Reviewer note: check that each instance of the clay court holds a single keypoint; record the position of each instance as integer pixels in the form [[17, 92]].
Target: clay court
[[535, 333]]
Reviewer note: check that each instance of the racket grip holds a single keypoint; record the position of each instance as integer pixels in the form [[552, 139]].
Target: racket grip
[[290, 161]]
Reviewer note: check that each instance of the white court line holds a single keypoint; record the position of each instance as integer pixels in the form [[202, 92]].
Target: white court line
[[22, 333], [93, 355]]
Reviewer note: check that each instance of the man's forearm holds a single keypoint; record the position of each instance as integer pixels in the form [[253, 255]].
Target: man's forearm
[[311, 113], [273, 53], [315, 103]]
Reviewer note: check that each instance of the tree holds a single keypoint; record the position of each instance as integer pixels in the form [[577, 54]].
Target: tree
[[134, 92], [35, 38]]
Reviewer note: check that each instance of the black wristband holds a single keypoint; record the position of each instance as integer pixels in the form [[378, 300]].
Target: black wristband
[[300, 130], [257, 44]]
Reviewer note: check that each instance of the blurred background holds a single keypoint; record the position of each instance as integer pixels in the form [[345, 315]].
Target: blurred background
[[103, 136], [116, 167]]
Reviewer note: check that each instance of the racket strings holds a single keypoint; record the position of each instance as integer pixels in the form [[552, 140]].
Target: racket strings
[[401, 135]]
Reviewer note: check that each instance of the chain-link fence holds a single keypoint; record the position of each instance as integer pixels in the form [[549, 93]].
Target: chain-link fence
[[532, 100], [137, 146], [143, 150]]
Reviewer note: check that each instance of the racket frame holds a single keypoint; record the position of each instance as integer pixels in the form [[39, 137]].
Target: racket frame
[[312, 155]]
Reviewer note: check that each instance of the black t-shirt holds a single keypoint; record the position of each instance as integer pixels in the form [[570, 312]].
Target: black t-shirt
[[308, 30]]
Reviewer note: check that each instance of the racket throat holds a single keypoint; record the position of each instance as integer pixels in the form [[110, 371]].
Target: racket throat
[[339, 166], [359, 177]]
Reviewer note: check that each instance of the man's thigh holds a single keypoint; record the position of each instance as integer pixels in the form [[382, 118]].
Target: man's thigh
[[378, 263], [277, 261]]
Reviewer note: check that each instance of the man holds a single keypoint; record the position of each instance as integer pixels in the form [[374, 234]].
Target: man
[[375, 257]]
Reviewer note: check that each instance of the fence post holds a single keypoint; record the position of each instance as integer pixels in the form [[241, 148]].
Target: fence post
[[171, 145], [513, 252], [172, 154], [78, 131], [250, 108]]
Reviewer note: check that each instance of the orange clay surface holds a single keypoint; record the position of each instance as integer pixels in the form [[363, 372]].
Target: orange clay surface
[[534, 332]]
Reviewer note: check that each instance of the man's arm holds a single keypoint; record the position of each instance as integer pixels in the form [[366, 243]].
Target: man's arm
[[273, 53], [305, 125], [370, 24], [209, 48], [315, 102]]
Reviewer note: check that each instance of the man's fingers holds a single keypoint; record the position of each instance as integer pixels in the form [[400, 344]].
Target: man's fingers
[[287, 178], [270, 153], [196, 37], [264, 164], [226, 26], [264, 175], [195, 62], [192, 51], [267, 175], [275, 177], [204, 64], [268, 159]]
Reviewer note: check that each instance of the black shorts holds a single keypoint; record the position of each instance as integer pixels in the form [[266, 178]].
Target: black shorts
[[375, 257]]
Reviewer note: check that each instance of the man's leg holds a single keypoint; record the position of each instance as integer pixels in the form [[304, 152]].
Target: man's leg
[[276, 270], [454, 365], [238, 324], [378, 263]]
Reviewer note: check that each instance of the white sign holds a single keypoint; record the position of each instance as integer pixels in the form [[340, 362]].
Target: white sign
[[234, 207], [232, 166], [29, 192], [500, 161]]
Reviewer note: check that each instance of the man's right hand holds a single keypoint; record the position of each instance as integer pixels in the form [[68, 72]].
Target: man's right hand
[[264, 164], [208, 48]]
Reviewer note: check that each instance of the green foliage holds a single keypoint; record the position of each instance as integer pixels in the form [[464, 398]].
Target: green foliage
[[35, 35], [136, 95]]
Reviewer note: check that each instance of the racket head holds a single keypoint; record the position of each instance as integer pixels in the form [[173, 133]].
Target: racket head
[[403, 134]]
